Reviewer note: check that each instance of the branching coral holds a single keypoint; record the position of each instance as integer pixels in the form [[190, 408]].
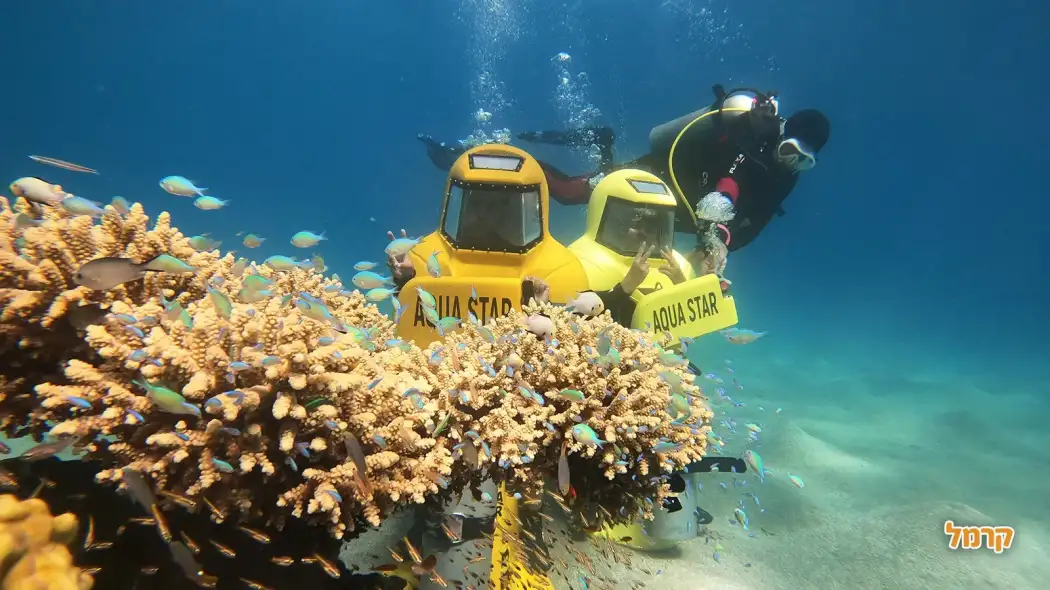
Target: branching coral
[[33, 549], [267, 391], [42, 307], [519, 396], [275, 387]]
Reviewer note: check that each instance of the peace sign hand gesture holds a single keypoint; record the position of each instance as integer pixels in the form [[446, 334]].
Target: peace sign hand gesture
[[673, 270], [400, 266], [639, 269]]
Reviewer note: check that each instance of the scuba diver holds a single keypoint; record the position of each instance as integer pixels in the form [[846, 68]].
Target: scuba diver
[[738, 148]]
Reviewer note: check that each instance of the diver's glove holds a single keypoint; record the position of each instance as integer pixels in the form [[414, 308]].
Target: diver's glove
[[718, 206]]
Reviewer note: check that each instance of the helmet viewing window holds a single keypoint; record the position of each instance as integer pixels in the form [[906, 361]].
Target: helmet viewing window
[[492, 217], [483, 161], [625, 225]]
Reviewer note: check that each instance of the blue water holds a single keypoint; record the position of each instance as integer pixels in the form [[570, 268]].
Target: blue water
[[911, 264]]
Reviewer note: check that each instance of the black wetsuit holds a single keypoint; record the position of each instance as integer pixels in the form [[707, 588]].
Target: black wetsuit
[[716, 148]]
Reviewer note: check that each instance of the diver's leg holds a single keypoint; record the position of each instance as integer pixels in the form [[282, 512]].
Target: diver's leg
[[603, 137], [441, 155], [565, 189]]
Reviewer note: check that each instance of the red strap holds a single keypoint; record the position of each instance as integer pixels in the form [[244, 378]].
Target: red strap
[[729, 187]]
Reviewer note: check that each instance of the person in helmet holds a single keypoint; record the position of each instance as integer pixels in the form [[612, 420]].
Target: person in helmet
[[737, 151]]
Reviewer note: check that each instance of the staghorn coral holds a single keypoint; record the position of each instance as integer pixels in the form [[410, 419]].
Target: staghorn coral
[[245, 399], [33, 549], [277, 390], [494, 372], [42, 307]]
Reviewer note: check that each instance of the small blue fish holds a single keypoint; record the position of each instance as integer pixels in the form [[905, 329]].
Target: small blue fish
[[138, 356], [433, 266], [335, 495], [400, 246], [584, 434], [269, 361], [81, 206], [222, 303], [367, 279], [134, 331], [78, 402], [238, 366], [222, 466], [209, 203], [379, 441], [325, 340], [373, 384], [307, 239], [281, 263], [181, 186], [365, 265], [123, 318]]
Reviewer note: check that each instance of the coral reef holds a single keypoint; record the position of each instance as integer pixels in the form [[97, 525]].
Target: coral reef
[[263, 391], [514, 398], [33, 548]]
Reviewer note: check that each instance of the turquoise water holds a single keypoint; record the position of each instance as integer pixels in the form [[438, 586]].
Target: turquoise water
[[904, 290]]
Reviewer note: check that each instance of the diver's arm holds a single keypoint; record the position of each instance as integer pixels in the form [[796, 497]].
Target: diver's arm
[[755, 208]]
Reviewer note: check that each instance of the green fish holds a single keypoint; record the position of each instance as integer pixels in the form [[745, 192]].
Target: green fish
[[252, 241], [426, 298], [203, 243], [585, 435], [307, 239], [666, 447], [755, 461], [221, 302], [238, 267], [167, 263], [254, 282], [671, 359], [167, 400], [431, 315], [281, 263], [571, 394], [246, 295], [378, 294], [447, 324], [433, 266], [441, 425], [741, 517], [679, 409]]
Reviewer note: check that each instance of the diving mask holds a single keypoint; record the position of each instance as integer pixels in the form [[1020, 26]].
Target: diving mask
[[796, 155]]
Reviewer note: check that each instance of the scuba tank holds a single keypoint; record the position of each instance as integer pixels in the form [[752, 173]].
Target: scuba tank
[[731, 103]]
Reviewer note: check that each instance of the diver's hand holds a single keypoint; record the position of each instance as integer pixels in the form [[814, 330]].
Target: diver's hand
[[639, 269], [673, 270], [541, 291], [701, 261], [401, 268]]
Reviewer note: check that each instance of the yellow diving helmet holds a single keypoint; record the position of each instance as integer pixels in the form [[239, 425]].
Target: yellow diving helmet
[[493, 233], [632, 207]]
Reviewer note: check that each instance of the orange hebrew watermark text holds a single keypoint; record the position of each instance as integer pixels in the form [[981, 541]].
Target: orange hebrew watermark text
[[996, 538]]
